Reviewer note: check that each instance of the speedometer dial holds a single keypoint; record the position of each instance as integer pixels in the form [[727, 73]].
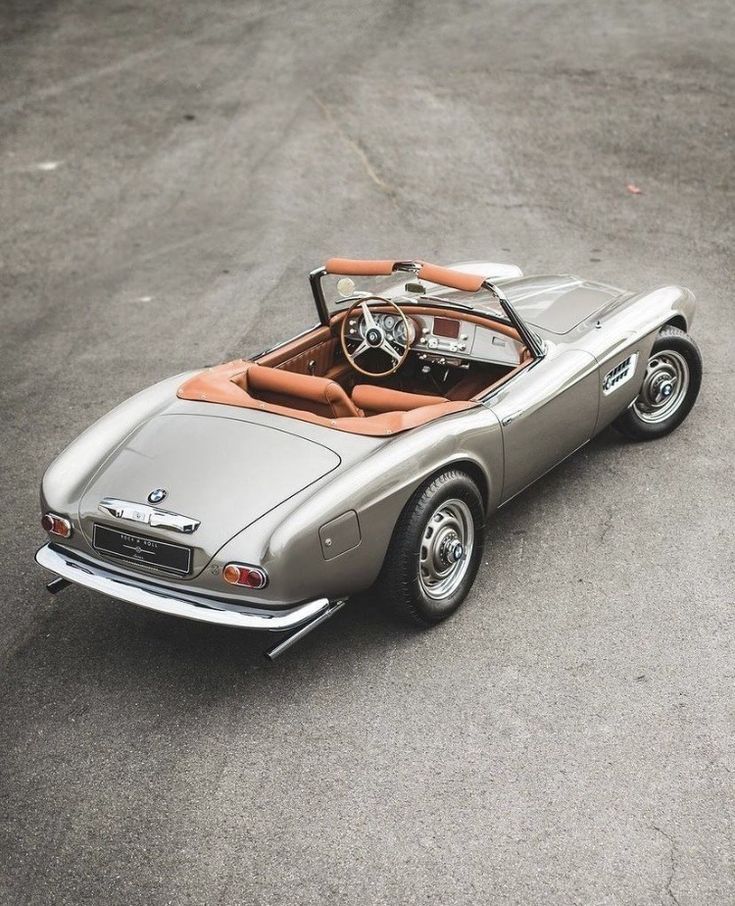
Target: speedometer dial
[[388, 322]]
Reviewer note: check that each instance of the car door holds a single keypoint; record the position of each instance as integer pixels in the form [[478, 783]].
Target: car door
[[546, 411]]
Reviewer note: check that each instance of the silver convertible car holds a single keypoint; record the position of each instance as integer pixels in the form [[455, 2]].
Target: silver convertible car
[[368, 451]]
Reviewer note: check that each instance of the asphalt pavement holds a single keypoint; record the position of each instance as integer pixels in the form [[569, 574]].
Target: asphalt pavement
[[169, 173]]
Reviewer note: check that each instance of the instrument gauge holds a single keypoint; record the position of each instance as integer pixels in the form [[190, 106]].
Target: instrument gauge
[[389, 321]]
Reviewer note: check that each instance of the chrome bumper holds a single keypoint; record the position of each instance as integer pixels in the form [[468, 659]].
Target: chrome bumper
[[182, 603]]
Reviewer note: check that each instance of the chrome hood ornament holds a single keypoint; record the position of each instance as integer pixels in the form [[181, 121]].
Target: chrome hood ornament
[[148, 515]]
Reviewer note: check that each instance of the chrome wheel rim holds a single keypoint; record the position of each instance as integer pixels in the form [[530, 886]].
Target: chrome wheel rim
[[664, 387], [446, 549]]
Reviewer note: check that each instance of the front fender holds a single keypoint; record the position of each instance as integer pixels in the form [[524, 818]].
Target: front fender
[[634, 318]]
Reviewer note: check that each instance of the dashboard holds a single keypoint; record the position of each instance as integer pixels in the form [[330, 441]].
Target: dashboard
[[391, 325], [443, 339]]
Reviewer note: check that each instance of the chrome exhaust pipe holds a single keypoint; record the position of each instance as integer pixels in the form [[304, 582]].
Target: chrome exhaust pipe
[[298, 634], [58, 584]]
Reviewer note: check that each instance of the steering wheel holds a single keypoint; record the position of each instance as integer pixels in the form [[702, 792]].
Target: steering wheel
[[375, 337]]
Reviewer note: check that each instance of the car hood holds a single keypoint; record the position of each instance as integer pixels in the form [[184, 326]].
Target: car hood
[[222, 472], [557, 304], [553, 303]]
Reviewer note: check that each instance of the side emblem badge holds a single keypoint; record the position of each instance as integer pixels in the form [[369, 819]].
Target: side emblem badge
[[157, 495]]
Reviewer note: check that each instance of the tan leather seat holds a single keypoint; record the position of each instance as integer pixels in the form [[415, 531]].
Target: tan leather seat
[[383, 399], [227, 385], [300, 391]]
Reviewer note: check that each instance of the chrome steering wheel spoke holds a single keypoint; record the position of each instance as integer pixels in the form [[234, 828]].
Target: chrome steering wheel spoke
[[367, 315], [374, 335], [386, 347]]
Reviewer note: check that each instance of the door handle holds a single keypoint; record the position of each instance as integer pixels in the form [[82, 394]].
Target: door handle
[[511, 418]]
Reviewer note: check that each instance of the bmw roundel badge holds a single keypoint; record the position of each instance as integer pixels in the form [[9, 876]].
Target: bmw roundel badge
[[157, 495]]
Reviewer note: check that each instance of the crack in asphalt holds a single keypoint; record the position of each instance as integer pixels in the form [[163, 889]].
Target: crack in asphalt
[[355, 146], [672, 862]]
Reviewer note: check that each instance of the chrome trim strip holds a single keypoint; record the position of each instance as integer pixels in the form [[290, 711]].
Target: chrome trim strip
[[165, 600], [532, 342], [147, 515], [315, 279], [620, 374]]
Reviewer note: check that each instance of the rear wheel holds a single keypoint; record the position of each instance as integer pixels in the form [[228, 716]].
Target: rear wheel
[[670, 387], [435, 549]]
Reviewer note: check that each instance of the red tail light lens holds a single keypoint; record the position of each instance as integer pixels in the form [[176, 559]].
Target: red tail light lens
[[246, 576], [56, 525]]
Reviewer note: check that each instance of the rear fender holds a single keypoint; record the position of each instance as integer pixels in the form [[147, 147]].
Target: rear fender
[[69, 474], [288, 542]]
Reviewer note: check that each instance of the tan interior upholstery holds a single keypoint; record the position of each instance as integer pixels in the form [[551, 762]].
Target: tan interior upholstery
[[301, 391], [447, 276], [358, 267], [308, 379], [228, 385], [372, 398], [323, 359]]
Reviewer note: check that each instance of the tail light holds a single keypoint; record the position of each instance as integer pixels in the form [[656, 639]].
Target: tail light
[[246, 576], [56, 525]]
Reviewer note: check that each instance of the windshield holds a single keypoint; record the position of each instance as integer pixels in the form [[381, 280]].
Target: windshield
[[341, 291], [343, 281]]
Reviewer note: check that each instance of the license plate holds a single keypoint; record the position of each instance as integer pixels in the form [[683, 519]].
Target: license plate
[[173, 558]]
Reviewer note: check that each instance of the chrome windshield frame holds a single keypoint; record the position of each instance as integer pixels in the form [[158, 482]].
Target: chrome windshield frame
[[532, 342]]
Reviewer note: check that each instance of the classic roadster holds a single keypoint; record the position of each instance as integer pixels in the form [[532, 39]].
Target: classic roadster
[[366, 452]]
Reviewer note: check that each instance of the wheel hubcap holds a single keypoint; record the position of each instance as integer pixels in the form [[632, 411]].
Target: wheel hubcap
[[446, 548], [664, 387]]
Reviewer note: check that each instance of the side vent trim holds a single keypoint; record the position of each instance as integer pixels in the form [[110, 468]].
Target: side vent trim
[[619, 375]]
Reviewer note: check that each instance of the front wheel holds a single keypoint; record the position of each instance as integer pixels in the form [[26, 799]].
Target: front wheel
[[670, 387], [435, 549]]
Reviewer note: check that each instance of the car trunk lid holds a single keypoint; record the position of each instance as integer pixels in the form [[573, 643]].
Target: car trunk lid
[[224, 473]]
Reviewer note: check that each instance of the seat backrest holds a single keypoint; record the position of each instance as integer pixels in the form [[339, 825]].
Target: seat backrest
[[300, 391], [372, 398]]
